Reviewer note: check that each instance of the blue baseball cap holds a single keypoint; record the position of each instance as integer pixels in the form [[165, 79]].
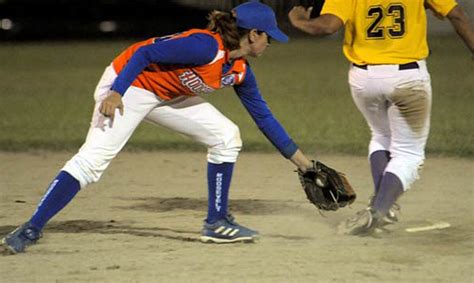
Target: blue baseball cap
[[256, 15]]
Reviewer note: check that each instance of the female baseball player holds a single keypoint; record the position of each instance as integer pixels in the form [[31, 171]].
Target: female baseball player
[[159, 80], [386, 43]]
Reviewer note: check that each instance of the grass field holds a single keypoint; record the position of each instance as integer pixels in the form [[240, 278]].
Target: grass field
[[46, 98]]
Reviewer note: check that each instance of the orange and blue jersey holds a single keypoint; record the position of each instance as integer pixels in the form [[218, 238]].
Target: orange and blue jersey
[[188, 63], [196, 62]]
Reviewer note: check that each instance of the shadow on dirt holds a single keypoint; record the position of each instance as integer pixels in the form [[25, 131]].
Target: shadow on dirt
[[161, 205], [238, 206], [112, 227]]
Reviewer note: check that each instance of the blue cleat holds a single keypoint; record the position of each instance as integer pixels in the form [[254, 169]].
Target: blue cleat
[[20, 238], [227, 231]]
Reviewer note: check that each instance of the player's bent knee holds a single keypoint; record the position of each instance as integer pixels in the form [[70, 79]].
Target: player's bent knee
[[228, 147], [85, 170]]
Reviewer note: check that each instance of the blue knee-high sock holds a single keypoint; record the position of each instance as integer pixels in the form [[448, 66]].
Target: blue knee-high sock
[[378, 161], [391, 188], [61, 191], [218, 180]]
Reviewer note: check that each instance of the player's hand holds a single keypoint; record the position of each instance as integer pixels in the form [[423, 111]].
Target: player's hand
[[109, 104], [299, 13]]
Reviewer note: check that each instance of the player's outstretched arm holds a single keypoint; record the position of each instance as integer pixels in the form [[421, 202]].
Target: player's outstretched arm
[[323, 25], [463, 26]]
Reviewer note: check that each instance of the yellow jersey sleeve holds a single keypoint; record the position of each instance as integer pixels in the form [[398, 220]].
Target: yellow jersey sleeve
[[340, 8], [442, 7], [385, 31]]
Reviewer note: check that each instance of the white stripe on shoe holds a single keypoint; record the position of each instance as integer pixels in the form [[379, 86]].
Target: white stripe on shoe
[[234, 232], [219, 230], [227, 231]]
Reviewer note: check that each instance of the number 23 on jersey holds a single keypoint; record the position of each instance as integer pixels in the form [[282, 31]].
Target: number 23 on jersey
[[386, 21]]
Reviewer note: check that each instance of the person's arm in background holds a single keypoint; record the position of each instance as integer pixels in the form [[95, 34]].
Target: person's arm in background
[[456, 15], [461, 23], [325, 24]]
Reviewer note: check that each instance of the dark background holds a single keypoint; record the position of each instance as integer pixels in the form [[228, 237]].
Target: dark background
[[35, 20], [94, 19]]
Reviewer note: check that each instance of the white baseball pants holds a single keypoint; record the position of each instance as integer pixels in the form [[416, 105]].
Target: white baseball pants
[[191, 116], [397, 106]]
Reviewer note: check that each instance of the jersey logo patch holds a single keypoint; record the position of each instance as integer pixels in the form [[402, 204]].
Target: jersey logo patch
[[228, 80]]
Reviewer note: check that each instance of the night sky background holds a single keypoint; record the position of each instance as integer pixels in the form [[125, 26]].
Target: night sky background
[[46, 20], [94, 19]]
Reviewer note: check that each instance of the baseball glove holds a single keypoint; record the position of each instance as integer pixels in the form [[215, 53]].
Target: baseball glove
[[326, 188]]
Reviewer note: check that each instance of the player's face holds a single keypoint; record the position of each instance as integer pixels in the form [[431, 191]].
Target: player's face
[[259, 43]]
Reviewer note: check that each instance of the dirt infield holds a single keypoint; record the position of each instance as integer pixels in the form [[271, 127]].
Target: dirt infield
[[142, 221]]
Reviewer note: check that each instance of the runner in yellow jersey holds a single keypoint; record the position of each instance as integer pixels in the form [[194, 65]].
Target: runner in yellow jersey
[[385, 41]]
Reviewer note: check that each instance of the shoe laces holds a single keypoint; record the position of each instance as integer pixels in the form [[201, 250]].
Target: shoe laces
[[231, 219], [31, 233]]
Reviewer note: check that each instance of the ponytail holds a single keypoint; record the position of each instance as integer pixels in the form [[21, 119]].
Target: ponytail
[[226, 26]]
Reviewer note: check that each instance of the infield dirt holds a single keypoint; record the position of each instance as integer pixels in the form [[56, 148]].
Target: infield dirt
[[141, 223]]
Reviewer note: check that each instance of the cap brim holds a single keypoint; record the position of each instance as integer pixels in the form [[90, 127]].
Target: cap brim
[[278, 35]]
